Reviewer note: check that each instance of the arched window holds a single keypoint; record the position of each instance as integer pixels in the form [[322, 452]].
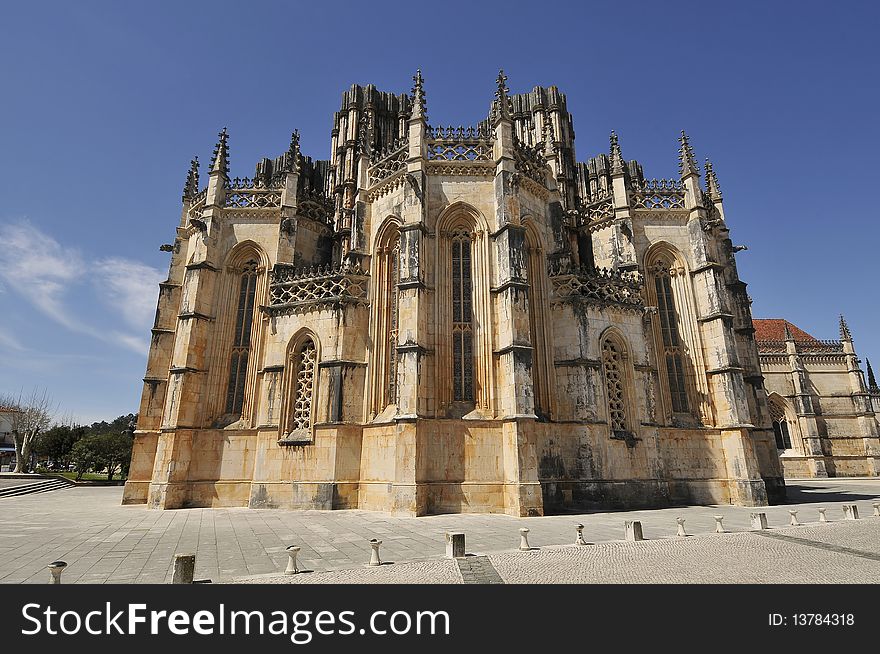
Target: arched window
[[780, 426], [673, 354], [384, 321], [302, 362], [241, 344], [617, 380], [462, 318], [536, 270], [392, 300]]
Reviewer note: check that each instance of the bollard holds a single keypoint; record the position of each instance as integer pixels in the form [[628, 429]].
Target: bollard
[[292, 569], [759, 520], [793, 521], [524, 539], [719, 528], [374, 554], [184, 568], [681, 531], [56, 568], [850, 512], [580, 535], [633, 530], [822, 517], [454, 545], [876, 506]]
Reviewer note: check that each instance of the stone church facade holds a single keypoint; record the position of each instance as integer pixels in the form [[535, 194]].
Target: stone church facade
[[823, 413], [445, 319]]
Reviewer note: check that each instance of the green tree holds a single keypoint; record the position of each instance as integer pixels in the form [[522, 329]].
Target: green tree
[[57, 443], [86, 454]]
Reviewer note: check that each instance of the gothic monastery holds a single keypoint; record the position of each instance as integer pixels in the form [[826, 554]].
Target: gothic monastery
[[445, 319]]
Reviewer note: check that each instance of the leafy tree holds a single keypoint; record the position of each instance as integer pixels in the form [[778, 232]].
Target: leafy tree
[[57, 443], [86, 454]]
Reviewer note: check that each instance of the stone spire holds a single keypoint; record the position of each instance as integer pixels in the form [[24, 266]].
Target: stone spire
[[292, 156], [872, 381], [220, 158], [617, 163], [687, 164], [191, 187], [502, 101], [420, 107], [712, 183], [787, 331], [845, 334]]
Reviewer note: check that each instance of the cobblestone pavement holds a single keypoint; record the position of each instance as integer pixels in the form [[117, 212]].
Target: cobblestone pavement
[[104, 542]]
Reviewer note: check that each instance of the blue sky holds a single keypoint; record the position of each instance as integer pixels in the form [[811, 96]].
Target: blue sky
[[104, 104]]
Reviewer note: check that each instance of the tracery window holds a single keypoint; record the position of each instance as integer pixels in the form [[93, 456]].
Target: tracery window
[[615, 385], [462, 318], [393, 298], [241, 344], [304, 360], [673, 349], [780, 427]]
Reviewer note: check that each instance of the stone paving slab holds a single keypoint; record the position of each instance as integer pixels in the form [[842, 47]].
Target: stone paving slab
[[105, 542], [420, 572]]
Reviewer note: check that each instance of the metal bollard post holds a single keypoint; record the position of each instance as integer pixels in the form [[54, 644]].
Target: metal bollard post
[[633, 530], [822, 517], [759, 520], [793, 521], [56, 568], [292, 568], [850, 512], [580, 535], [184, 568], [374, 554], [524, 539], [454, 545], [681, 531], [719, 528]]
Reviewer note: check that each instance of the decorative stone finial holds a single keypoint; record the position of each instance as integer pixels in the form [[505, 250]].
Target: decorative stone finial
[[872, 381], [292, 156], [191, 187], [787, 331], [687, 165], [845, 334], [617, 164], [420, 107], [502, 102], [220, 158], [712, 183]]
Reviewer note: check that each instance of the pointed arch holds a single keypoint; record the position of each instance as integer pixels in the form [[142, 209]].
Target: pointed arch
[[299, 387], [617, 373], [385, 276], [465, 378], [539, 310], [676, 337], [238, 330], [784, 421]]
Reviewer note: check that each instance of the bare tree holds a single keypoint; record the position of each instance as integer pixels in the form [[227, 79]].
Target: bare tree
[[29, 417]]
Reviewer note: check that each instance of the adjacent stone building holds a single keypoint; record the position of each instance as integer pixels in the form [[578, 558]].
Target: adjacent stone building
[[443, 319], [824, 415]]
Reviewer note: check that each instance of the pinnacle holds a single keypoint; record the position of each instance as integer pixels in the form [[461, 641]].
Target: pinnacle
[[617, 163], [191, 187], [845, 334], [687, 165], [220, 158], [420, 107], [712, 186]]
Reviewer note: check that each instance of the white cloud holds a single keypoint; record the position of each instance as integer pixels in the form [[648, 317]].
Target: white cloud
[[44, 273], [131, 287]]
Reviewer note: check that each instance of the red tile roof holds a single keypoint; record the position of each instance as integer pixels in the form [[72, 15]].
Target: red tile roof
[[773, 329]]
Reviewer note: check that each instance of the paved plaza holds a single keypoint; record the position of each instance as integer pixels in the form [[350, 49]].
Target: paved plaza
[[104, 542]]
